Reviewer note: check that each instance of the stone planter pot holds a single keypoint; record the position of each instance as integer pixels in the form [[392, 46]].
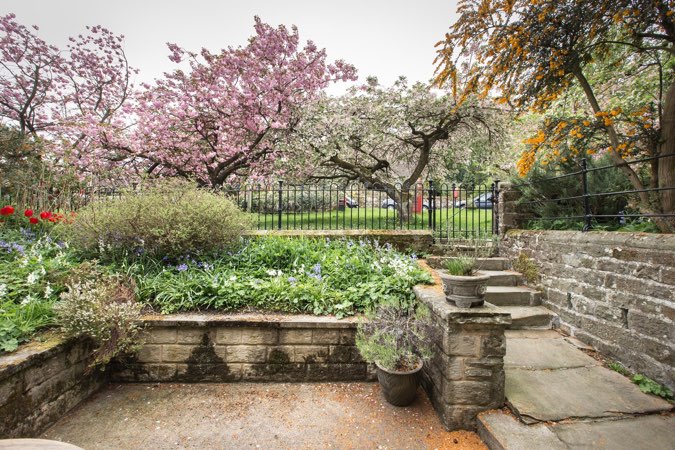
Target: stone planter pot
[[464, 291], [399, 388]]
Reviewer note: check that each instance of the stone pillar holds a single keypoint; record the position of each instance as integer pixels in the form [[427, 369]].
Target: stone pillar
[[510, 214], [466, 374]]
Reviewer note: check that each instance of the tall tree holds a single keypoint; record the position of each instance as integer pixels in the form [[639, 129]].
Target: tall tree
[[531, 52], [224, 116], [387, 137]]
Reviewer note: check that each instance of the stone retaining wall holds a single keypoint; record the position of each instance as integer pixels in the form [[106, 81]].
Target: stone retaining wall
[[248, 347], [612, 290], [466, 374], [40, 382], [416, 240]]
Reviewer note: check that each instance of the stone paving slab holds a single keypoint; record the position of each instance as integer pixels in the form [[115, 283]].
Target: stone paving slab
[[653, 432], [501, 430], [252, 415], [544, 354], [532, 334], [586, 392]]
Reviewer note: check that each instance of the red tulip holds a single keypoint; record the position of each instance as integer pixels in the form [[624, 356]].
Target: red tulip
[[28, 213], [44, 215], [33, 220], [7, 211]]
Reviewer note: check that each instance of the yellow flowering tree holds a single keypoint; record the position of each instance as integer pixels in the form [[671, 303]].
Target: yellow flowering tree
[[532, 54]]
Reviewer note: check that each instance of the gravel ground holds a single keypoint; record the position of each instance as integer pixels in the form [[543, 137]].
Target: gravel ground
[[251, 415]]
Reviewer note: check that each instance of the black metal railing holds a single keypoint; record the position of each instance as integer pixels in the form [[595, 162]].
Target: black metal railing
[[451, 211], [587, 205]]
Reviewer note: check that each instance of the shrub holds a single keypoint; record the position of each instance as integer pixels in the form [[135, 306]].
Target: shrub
[[395, 336], [169, 219], [103, 308], [526, 266], [462, 265]]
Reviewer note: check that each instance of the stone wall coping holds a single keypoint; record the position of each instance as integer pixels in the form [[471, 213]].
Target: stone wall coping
[[655, 241], [271, 320], [434, 297], [30, 354], [339, 233]]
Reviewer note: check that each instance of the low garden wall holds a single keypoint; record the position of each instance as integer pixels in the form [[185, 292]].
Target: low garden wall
[[466, 374], [612, 290], [42, 381], [245, 347], [417, 240]]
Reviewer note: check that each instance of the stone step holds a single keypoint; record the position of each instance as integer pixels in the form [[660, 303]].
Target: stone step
[[502, 277], [492, 263], [512, 296], [502, 431], [530, 317]]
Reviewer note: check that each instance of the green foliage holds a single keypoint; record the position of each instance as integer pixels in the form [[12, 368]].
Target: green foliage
[[274, 273], [169, 219], [396, 336], [649, 386], [546, 199], [33, 270], [526, 266], [462, 265], [101, 307], [617, 367]]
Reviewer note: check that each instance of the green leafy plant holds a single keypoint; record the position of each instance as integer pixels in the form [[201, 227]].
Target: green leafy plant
[[526, 266], [616, 367], [103, 308], [169, 219], [396, 336], [462, 265], [33, 268], [315, 276], [649, 386]]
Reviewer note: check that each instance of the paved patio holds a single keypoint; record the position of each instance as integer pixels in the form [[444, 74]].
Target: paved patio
[[248, 415]]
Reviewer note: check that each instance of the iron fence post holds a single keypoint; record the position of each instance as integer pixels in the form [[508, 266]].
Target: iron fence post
[[587, 205], [280, 200], [430, 204], [495, 207]]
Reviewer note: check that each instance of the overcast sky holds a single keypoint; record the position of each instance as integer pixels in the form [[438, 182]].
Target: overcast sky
[[381, 38]]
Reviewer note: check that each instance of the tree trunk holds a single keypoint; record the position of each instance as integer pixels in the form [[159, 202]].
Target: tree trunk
[[666, 169]]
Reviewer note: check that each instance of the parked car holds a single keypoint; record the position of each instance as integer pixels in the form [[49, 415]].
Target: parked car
[[483, 201], [391, 204]]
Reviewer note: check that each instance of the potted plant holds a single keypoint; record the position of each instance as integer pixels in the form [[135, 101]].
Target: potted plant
[[462, 284], [397, 340]]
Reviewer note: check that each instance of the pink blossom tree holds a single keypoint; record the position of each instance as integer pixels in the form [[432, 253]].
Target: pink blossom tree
[[224, 116], [29, 72]]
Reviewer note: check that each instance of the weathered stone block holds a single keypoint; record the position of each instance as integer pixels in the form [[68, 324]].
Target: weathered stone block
[[160, 335], [229, 336], [348, 337], [310, 354], [191, 335], [469, 393], [250, 336], [463, 345], [493, 344], [344, 354], [175, 352], [295, 336], [325, 336], [250, 354], [150, 353]]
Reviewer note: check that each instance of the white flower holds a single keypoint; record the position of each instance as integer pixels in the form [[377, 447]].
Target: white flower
[[32, 277], [3, 290], [27, 299], [274, 273], [48, 291]]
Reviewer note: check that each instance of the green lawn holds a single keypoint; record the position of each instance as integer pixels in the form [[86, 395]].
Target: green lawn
[[449, 223]]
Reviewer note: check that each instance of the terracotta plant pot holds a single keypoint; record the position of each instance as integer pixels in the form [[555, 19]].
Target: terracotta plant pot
[[464, 291], [399, 388]]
